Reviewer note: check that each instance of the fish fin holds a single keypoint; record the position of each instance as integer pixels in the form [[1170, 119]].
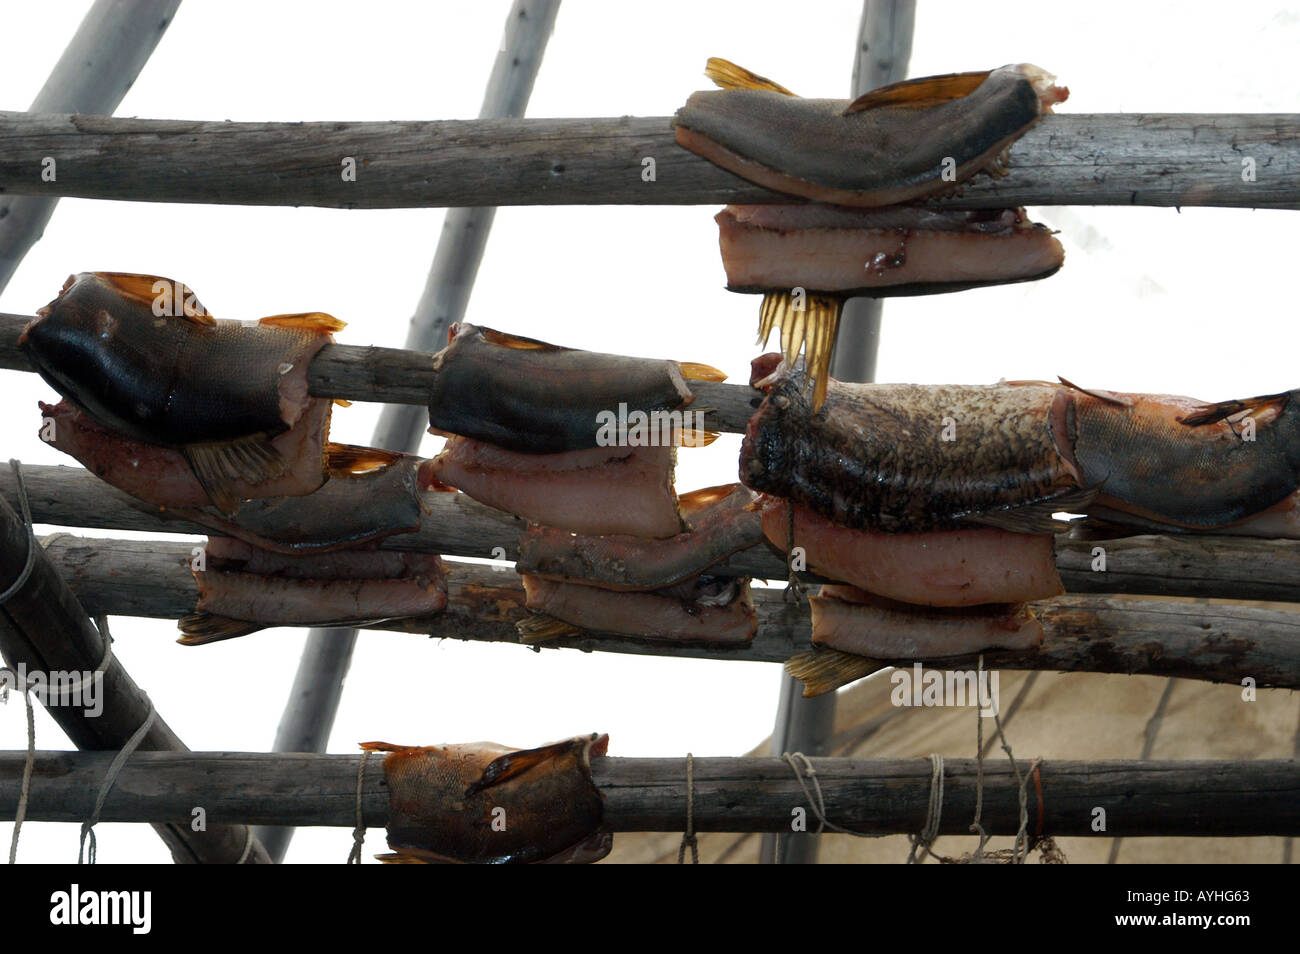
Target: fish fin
[[342, 402], [727, 75], [400, 858], [538, 628], [514, 764], [517, 342], [825, 670], [185, 305], [919, 93], [810, 329], [342, 459], [307, 320], [1108, 396], [696, 500], [694, 437], [1213, 413], [1036, 516], [199, 629], [218, 465], [385, 747], [694, 371]]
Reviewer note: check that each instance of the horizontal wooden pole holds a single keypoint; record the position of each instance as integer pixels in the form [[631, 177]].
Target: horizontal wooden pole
[[1151, 565], [877, 796], [1155, 159], [397, 376], [1085, 633]]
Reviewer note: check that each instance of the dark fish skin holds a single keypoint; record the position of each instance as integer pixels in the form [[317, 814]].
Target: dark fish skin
[[169, 381], [442, 801], [536, 398], [873, 457], [349, 509], [878, 156], [624, 562], [1147, 460]]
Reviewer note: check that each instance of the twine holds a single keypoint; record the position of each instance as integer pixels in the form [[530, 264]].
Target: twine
[[815, 798], [688, 837], [358, 832], [933, 814], [29, 561]]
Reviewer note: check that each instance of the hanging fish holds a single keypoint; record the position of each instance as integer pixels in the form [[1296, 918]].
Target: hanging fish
[[571, 439], [899, 143], [484, 803], [141, 356]]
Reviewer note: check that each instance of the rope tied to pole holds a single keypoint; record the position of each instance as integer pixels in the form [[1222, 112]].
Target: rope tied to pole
[[933, 815], [20, 681], [688, 837], [816, 800], [359, 831]]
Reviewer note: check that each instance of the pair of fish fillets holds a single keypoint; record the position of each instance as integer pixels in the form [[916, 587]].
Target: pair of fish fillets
[[933, 505], [551, 435], [211, 421], [858, 163]]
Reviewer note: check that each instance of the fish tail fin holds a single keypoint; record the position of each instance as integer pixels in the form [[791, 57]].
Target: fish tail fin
[[825, 670], [808, 323], [538, 628], [400, 858], [199, 629], [513, 764], [220, 465], [342, 459], [697, 436], [694, 371], [920, 92], [727, 75], [384, 747], [305, 320]]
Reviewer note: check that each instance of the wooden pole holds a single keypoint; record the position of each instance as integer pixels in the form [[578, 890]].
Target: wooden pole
[[103, 59], [1156, 159], [1187, 565], [884, 48], [874, 796], [44, 629], [1086, 633], [327, 654]]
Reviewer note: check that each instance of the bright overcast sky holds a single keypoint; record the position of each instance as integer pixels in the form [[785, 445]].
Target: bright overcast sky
[[1148, 300]]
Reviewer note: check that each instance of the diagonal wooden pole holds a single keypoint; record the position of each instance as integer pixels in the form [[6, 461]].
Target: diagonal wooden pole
[[103, 59], [46, 635], [805, 725], [318, 686]]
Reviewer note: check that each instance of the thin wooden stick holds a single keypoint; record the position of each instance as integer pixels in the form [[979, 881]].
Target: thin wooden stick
[[1152, 565], [1216, 643], [101, 61], [44, 629], [1158, 159], [875, 796]]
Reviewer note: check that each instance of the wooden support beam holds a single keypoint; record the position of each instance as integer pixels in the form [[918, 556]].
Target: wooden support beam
[[104, 57], [44, 629], [876, 796], [1086, 633], [1186, 565], [1157, 159]]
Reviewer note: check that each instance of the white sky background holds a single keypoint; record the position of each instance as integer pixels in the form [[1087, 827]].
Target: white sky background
[[1148, 300]]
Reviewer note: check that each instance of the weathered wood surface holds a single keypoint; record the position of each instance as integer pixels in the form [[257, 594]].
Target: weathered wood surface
[[1151, 565], [1159, 159], [878, 796], [397, 376], [101, 62], [44, 628], [1085, 633]]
